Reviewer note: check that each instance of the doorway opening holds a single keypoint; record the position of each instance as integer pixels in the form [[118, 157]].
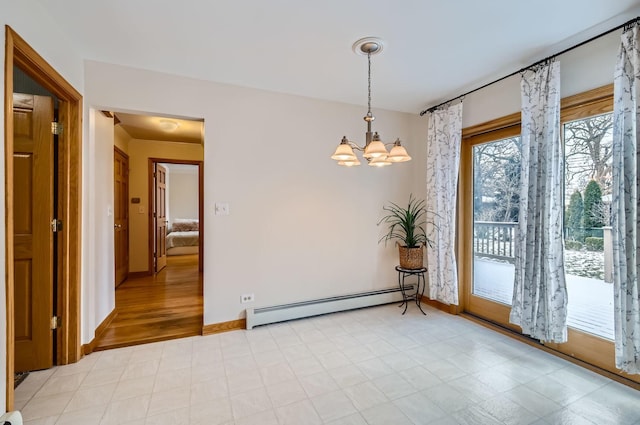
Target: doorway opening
[[175, 188], [22, 171], [158, 222]]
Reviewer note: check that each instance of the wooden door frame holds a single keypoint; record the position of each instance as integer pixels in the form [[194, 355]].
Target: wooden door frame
[[151, 187], [123, 153], [487, 309], [69, 205]]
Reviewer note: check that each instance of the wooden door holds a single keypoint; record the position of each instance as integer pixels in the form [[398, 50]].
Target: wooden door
[[121, 214], [33, 236], [160, 217]]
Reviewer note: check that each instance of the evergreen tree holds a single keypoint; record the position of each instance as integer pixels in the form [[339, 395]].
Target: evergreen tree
[[574, 215], [592, 206], [576, 210]]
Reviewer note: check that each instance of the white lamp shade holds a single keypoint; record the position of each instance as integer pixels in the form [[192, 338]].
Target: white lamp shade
[[344, 153], [398, 154], [350, 162], [380, 161], [375, 149]]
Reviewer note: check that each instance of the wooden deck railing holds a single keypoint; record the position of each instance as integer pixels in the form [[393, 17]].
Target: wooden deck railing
[[494, 240]]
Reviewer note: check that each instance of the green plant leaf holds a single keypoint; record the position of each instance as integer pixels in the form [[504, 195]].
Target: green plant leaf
[[407, 224]]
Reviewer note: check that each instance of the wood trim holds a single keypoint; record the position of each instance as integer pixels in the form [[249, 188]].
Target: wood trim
[[137, 275], [447, 308], [150, 207], [232, 325], [594, 102], [121, 152], [19, 53], [105, 323], [604, 93], [102, 327], [491, 126], [474, 304], [464, 208], [26, 57], [86, 349], [201, 219], [600, 98], [632, 381], [8, 188]]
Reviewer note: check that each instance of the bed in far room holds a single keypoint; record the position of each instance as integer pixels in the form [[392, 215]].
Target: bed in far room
[[183, 239]]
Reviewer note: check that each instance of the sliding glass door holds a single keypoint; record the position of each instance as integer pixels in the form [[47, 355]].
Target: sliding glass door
[[588, 257], [488, 221], [492, 213], [588, 246]]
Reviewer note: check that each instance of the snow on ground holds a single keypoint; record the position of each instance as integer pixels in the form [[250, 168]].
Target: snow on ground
[[584, 263], [590, 306]]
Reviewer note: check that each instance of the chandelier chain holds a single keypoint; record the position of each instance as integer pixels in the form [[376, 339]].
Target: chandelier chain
[[369, 82]]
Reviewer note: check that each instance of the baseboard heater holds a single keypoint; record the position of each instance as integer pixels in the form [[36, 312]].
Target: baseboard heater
[[299, 310]]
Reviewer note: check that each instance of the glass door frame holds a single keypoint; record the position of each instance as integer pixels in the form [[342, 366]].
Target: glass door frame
[[478, 306], [583, 346]]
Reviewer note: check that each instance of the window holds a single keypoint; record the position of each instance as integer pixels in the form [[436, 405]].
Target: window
[[496, 194], [588, 253]]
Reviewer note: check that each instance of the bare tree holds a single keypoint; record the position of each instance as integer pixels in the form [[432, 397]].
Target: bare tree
[[588, 152], [602, 213], [497, 180]]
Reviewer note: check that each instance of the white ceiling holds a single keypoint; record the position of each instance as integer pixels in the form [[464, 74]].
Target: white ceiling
[[145, 127], [434, 49]]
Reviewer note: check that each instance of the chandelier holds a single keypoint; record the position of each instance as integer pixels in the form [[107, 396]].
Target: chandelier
[[374, 150]]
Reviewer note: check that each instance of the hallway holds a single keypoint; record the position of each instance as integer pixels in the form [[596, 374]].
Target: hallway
[[157, 308]]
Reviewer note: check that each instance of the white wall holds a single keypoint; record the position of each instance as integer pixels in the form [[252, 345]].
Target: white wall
[[300, 226], [182, 193], [582, 69], [44, 35], [98, 293]]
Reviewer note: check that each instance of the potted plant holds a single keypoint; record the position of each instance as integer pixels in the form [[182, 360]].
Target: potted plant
[[406, 225]]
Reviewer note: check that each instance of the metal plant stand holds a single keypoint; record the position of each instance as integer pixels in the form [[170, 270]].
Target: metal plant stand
[[410, 295]]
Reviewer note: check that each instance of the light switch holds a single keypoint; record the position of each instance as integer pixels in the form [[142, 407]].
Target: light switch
[[222, 208], [109, 211], [140, 210]]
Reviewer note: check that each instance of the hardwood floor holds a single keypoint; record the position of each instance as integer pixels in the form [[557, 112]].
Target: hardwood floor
[[156, 308]]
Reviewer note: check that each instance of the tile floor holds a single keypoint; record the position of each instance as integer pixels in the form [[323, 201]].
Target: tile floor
[[371, 366]]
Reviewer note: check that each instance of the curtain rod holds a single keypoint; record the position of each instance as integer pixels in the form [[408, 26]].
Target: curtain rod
[[632, 21]]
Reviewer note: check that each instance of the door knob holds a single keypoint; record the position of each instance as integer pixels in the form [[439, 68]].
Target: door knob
[[117, 226]]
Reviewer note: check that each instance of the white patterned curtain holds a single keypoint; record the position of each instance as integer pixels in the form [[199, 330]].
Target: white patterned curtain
[[540, 294], [443, 159], [624, 207]]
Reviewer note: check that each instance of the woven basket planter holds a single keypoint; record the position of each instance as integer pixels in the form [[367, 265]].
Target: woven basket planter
[[410, 258]]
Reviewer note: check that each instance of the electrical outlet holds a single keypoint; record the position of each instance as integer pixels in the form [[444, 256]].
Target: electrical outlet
[[246, 298]]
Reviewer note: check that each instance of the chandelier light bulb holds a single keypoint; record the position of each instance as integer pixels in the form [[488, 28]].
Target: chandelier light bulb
[[380, 161], [375, 149]]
